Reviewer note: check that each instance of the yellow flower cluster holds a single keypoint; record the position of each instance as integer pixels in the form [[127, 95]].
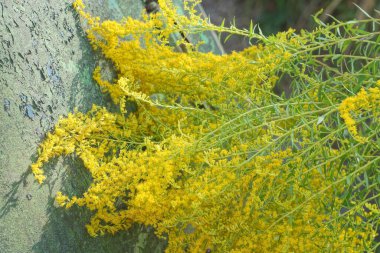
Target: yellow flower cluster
[[189, 161], [92, 134], [360, 103], [151, 67]]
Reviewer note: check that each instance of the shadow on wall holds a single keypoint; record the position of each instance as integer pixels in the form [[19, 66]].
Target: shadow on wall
[[65, 230], [11, 197]]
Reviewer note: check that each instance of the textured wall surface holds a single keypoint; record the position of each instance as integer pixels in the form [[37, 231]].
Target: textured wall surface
[[46, 68]]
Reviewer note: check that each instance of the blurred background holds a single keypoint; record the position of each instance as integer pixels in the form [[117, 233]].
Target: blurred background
[[279, 15]]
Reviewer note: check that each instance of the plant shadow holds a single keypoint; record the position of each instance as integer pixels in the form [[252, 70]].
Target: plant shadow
[[65, 230], [11, 198]]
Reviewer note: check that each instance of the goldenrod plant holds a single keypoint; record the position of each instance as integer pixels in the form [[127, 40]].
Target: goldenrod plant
[[216, 161]]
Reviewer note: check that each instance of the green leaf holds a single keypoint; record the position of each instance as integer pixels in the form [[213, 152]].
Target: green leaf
[[366, 179], [316, 17], [227, 38], [320, 119], [220, 33], [222, 24]]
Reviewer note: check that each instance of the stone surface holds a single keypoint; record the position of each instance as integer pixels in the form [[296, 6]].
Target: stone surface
[[46, 69]]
